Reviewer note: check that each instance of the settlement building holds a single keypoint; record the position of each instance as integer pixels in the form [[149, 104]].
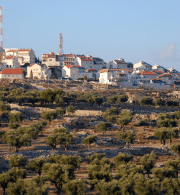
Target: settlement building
[[11, 74]]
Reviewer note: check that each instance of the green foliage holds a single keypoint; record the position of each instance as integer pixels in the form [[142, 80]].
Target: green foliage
[[13, 125], [172, 186], [124, 170], [49, 115], [103, 126], [166, 120], [36, 165], [176, 148], [108, 188], [16, 117], [17, 161], [61, 137], [75, 187], [112, 99], [147, 186], [129, 136], [122, 158], [148, 161], [164, 133], [174, 165], [85, 77], [4, 107], [146, 101], [98, 156], [159, 102], [100, 169], [15, 140], [111, 114], [143, 122], [4, 180], [15, 173], [17, 188], [125, 118], [89, 140], [122, 99], [177, 115], [70, 109], [161, 173]]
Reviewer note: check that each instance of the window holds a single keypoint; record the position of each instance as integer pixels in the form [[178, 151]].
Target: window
[[74, 75], [50, 59]]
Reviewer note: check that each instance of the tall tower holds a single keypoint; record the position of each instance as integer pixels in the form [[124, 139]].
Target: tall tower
[[1, 26], [60, 44]]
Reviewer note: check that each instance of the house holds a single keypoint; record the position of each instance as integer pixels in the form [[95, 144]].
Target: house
[[11, 62], [142, 66], [38, 71], [108, 76], [146, 76], [10, 73], [86, 62], [75, 72], [168, 78], [23, 55], [158, 68], [119, 64], [50, 60], [98, 63]]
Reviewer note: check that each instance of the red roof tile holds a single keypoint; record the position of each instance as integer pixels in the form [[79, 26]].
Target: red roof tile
[[165, 75], [91, 69], [24, 50], [71, 66], [11, 50], [147, 73], [11, 71], [9, 57]]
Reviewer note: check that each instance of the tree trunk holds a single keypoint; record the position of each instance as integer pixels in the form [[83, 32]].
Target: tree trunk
[[88, 146], [66, 147], [17, 149]]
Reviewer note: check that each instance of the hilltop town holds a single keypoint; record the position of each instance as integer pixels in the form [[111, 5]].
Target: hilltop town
[[74, 124], [18, 63]]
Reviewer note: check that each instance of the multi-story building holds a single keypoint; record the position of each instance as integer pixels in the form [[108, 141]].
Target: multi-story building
[[24, 55], [86, 62], [119, 64], [38, 71], [138, 67], [75, 72], [50, 60], [11, 62]]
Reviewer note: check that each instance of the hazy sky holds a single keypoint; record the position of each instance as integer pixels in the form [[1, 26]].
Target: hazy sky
[[136, 30]]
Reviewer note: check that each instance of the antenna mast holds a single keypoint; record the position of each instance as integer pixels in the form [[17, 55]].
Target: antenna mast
[[1, 26], [60, 44]]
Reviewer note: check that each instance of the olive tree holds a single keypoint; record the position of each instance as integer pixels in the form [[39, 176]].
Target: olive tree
[[89, 140]]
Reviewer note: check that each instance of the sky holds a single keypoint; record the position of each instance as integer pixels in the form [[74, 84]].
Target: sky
[[136, 30]]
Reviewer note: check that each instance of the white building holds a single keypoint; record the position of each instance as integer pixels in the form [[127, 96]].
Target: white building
[[86, 62], [75, 72], [157, 67], [108, 76], [38, 71], [138, 67], [11, 62], [50, 60], [23, 55]]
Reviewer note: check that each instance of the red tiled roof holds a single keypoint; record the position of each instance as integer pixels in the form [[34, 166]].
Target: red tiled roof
[[9, 57], [71, 66], [91, 69], [165, 75], [11, 50], [67, 61], [161, 72], [147, 73], [104, 70], [122, 73], [69, 55], [24, 50], [11, 71]]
